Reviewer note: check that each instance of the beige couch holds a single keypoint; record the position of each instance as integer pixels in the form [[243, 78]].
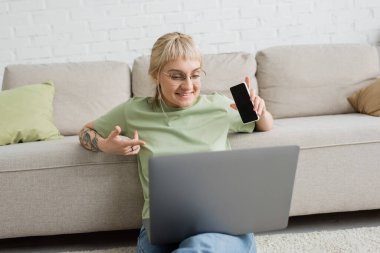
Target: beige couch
[[57, 187]]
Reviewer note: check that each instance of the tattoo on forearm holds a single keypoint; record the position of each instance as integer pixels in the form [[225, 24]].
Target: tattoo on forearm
[[89, 139]]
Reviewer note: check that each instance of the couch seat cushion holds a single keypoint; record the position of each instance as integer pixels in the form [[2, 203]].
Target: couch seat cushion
[[315, 132], [66, 152]]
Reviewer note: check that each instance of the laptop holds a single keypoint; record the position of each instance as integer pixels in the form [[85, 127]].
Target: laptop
[[232, 192]]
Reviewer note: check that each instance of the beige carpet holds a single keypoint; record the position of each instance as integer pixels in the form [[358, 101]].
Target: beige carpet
[[355, 240]]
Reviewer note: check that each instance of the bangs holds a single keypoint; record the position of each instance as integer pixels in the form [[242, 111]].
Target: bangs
[[170, 47], [176, 49]]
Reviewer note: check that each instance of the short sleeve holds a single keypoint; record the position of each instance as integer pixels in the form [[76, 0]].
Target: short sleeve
[[106, 123], [236, 124]]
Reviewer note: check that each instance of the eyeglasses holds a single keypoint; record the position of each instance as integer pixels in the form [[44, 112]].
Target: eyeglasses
[[179, 77]]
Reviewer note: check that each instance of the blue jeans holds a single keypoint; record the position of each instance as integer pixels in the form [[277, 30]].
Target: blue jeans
[[202, 243]]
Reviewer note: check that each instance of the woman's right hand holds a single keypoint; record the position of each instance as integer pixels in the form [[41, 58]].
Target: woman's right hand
[[119, 145]]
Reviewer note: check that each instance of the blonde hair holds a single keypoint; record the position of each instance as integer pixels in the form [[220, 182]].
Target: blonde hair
[[169, 47]]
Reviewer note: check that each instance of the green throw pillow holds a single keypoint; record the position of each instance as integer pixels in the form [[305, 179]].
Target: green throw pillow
[[26, 114]]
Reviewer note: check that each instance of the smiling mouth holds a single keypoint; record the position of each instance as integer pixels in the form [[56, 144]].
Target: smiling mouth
[[185, 94]]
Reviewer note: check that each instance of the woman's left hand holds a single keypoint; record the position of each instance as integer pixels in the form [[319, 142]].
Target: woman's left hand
[[265, 122], [257, 102]]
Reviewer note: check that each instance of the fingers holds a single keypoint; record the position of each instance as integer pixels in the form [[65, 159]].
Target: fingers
[[251, 90], [247, 81], [233, 106], [136, 135], [133, 150], [128, 142], [136, 139], [258, 105], [133, 147], [115, 132], [134, 142], [125, 141], [255, 100], [252, 94]]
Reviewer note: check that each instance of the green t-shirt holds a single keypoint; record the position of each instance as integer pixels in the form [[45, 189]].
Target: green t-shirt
[[204, 126]]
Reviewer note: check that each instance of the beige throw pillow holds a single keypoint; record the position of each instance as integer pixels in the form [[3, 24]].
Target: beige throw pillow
[[367, 100]]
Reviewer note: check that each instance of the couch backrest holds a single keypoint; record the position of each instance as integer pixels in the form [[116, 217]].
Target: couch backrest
[[83, 91], [222, 71], [309, 80]]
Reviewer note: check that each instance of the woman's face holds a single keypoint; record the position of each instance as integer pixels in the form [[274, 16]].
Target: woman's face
[[180, 82]]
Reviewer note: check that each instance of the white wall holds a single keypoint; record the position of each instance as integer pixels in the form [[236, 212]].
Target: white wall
[[40, 31]]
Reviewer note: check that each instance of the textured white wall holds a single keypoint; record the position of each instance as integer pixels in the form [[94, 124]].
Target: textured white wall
[[40, 31]]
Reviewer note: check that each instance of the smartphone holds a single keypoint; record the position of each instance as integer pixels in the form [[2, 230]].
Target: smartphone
[[243, 102]]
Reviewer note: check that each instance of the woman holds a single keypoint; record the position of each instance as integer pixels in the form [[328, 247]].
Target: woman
[[178, 116]]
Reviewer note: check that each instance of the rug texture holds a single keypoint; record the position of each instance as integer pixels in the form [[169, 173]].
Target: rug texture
[[355, 240]]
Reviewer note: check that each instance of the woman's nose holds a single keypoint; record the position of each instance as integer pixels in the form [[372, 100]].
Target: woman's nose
[[188, 83]]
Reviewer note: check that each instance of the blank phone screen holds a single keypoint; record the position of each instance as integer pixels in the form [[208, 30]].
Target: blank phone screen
[[243, 103]]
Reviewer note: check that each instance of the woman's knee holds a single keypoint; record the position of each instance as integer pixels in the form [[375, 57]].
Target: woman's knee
[[216, 242], [144, 245]]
